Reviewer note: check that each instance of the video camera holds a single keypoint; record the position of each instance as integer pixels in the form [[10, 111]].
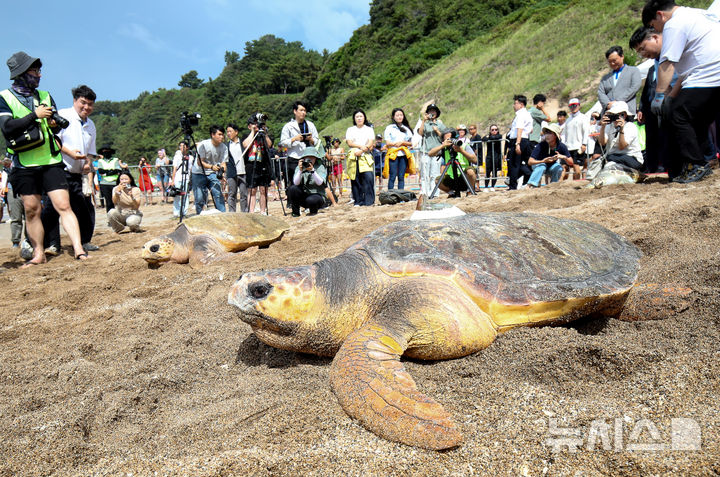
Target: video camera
[[258, 118], [188, 121], [328, 142], [613, 117]]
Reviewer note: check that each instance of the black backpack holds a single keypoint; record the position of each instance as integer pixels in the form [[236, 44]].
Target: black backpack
[[396, 196]]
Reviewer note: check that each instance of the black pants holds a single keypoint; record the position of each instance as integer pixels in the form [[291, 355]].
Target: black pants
[[107, 192], [517, 163], [81, 207], [625, 160], [300, 198], [292, 164], [691, 113]]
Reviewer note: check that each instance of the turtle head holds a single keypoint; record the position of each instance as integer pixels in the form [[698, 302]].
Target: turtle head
[[283, 306], [158, 250]]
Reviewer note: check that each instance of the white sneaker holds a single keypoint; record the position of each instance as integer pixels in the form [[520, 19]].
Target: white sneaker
[[52, 250], [26, 250]]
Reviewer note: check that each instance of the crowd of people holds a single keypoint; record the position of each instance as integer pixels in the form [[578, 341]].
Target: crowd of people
[[52, 170]]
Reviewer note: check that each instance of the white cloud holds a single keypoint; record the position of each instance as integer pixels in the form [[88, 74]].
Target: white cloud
[[319, 24], [141, 34]]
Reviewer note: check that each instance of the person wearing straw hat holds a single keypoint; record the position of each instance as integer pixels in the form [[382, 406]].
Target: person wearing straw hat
[[546, 156]]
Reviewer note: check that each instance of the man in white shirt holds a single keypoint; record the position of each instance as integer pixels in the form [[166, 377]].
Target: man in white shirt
[[78, 151], [691, 47], [576, 136], [296, 135], [519, 149]]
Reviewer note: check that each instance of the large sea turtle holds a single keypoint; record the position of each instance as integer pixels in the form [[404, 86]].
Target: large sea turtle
[[204, 238], [433, 289]]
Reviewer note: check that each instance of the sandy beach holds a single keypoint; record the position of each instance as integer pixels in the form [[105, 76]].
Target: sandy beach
[[112, 368]]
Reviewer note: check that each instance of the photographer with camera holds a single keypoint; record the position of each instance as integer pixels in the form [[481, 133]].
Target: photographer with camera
[[180, 179], [620, 136], [258, 170], [296, 135], [457, 154], [308, 189], [126, 199], [430, 129], [29, 120], [208, 168]]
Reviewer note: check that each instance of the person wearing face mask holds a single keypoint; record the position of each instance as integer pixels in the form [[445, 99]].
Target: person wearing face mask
[[29, 121], [546, 156], [126, 198]]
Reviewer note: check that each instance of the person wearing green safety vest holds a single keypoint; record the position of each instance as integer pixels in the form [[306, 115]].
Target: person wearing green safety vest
[[109, 168], [29, 120], [452, 148]]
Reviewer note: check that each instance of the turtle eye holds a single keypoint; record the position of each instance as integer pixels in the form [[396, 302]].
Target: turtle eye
[[154, 248], [259, 290]]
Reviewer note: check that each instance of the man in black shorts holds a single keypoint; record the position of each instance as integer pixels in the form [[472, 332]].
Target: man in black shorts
[[26, 121]]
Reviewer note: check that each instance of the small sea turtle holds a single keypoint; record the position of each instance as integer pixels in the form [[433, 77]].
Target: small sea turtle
[[433, 289], [203, 238]]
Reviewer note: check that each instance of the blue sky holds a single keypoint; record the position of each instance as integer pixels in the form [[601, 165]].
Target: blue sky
[[122, 48]]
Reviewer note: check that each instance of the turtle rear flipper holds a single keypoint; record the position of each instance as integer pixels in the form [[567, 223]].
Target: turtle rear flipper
[[206, 249]]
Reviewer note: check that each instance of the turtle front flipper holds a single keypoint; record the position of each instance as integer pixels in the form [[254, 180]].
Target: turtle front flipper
[[206, 249], [372, 386]]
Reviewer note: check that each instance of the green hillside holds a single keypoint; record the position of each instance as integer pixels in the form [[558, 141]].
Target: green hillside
[[556, 48], [469, 57]]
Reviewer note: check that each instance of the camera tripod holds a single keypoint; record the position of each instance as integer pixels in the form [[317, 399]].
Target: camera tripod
[[184, 185], [457, 168]]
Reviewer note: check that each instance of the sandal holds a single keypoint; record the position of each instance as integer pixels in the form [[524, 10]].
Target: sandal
[[82, 256]]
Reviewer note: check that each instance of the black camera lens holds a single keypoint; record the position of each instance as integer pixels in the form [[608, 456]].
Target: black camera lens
[[59, 120]]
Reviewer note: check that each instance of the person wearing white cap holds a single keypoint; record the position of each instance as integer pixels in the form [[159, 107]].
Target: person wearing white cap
[[576, 137], [620, 136]]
